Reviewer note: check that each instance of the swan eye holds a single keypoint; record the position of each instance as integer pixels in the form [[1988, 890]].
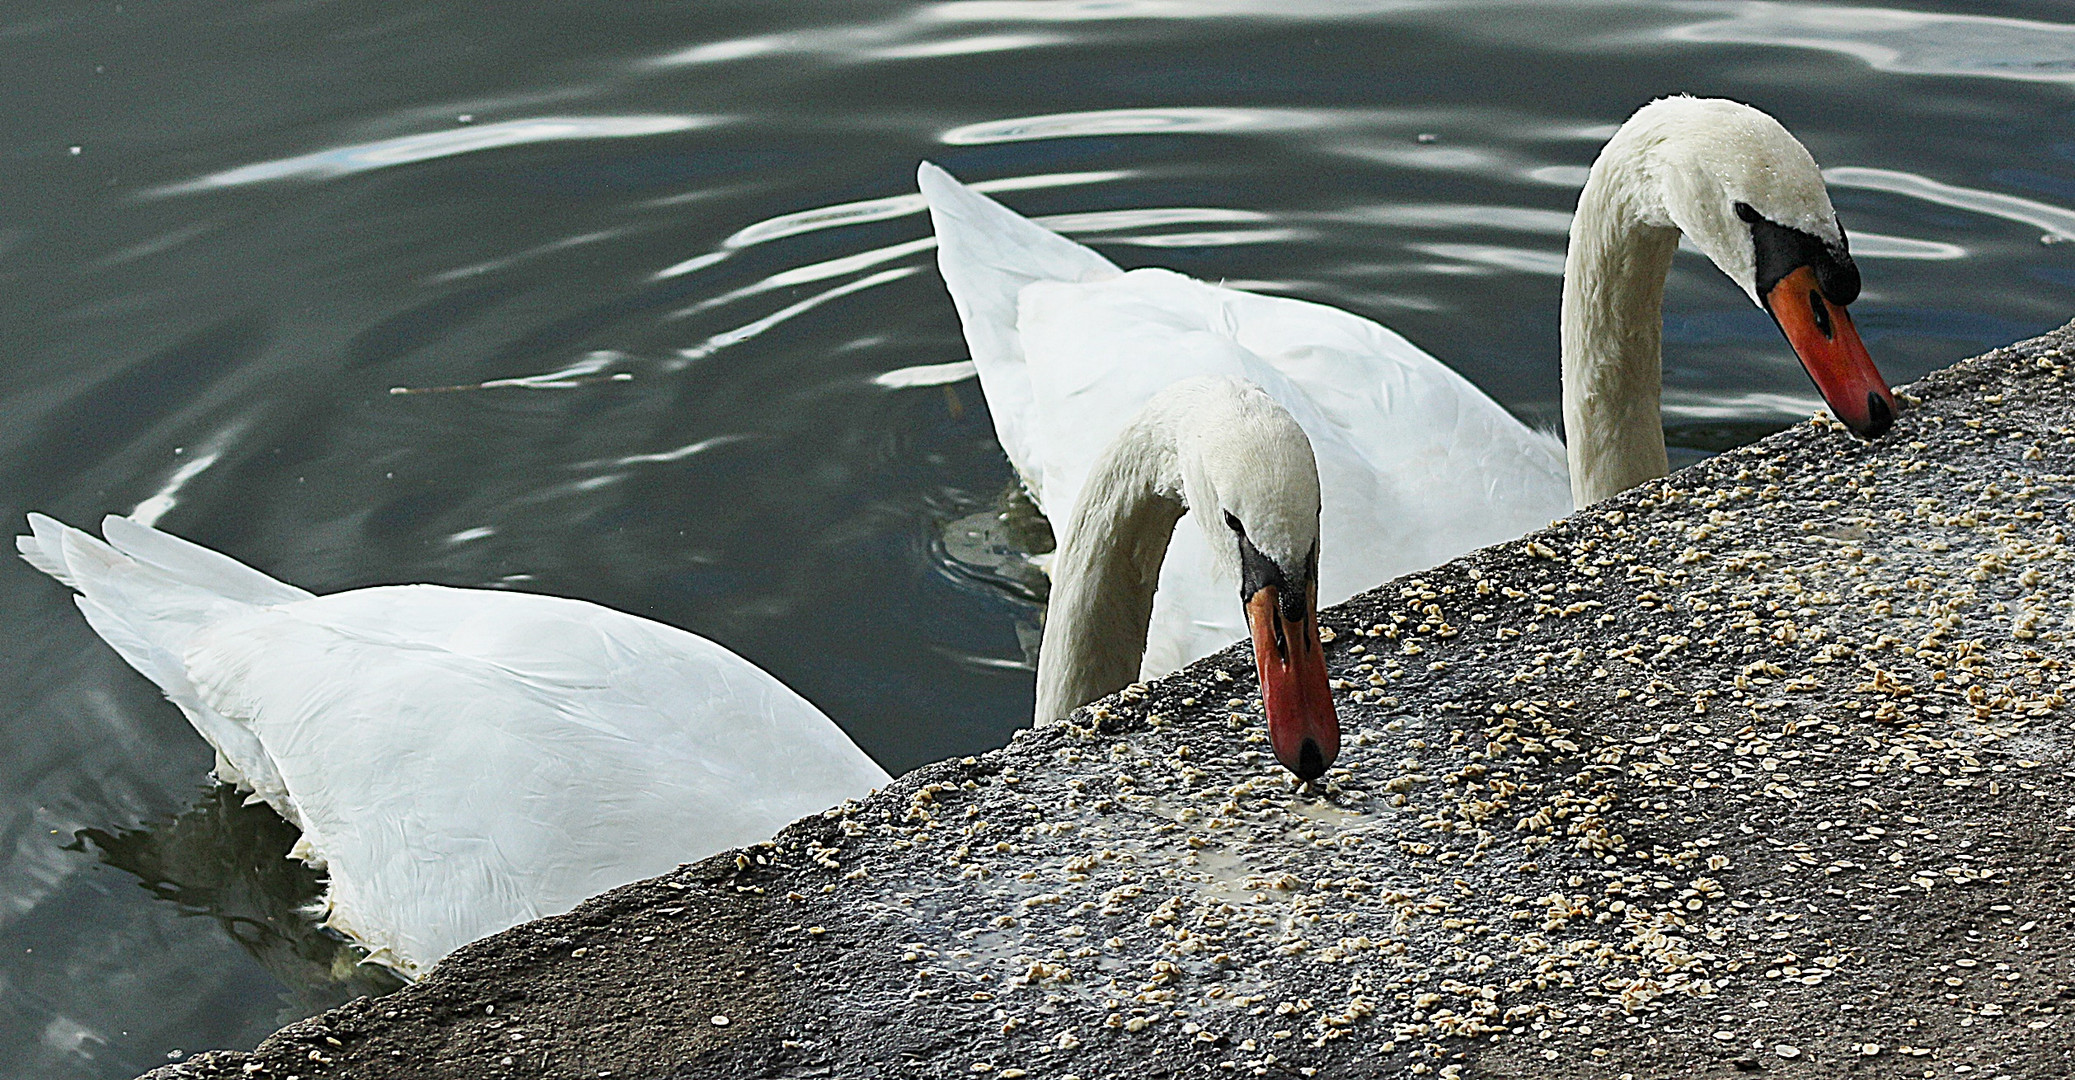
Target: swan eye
[[1236, 527], [1821, 311], [1748, 213]]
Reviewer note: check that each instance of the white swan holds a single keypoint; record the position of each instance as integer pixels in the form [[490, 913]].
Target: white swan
[[1416, 464], [1221, 450], [458, 760]]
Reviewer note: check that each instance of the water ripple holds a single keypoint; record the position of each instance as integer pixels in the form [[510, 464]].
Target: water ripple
[[893, 206], [2056, 220], [1115, 10], [589, 371], [851, 213], [1215, 238], [664, 456], [1570, 176], [167, 496], [749, 330], [1162, 121], [407, 149], [926, 375], [967, 46], [1904, 42], [489, 266], [898, 39], [1151, 217], [813, 272], [821, 217], [1866, 245], [1522, 260], [1723, 405], [1122, 221], [714, 52], [1464, 216]]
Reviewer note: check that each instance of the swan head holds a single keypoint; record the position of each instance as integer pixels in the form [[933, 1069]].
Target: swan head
[[1249, 478], [1751, 197]]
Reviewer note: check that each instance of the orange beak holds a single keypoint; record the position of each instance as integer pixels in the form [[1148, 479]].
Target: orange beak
[[1829, 347], [1302, 726]]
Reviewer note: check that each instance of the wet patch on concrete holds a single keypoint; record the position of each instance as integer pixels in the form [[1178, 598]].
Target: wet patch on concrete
[[1762, 768]]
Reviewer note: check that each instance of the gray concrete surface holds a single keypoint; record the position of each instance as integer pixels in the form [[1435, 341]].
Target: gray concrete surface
[[1762, 768]]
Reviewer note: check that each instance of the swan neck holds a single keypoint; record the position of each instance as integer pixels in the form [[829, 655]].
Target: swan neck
[[1106, 569], [1612, 327]]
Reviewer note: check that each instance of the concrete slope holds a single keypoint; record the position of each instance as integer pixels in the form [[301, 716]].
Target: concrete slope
[[1763, 768]]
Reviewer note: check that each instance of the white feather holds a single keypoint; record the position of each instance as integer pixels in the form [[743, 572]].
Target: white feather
[[1416, 464], [459, 760]]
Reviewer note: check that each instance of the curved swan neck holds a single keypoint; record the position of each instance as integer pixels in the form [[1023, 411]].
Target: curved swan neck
[[1613, 315], [1107, 567], [1215, 442]]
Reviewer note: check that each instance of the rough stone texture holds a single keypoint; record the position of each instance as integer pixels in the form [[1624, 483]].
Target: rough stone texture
[[1762, 768]]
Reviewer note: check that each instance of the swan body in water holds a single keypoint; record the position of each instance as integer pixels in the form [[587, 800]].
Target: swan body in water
[[459, 760], [1414, 464]]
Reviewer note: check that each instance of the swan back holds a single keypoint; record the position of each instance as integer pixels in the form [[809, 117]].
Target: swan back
[[465, 760], [459, 760], [1416, 464]]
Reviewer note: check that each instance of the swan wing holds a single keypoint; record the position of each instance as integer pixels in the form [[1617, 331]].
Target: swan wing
[[146, 599], [459, 760], [464, 760], [988, 254], [1415, 463]]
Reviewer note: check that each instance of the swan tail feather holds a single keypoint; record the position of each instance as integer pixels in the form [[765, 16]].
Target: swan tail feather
[[989, 252], [988, 255], [196, 565], [143, 612], [43, 548], [147, 595]]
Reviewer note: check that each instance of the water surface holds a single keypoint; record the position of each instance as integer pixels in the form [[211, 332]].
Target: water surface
[[659, 279]]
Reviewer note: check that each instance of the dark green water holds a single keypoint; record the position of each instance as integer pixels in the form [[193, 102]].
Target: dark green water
[[227, 230]]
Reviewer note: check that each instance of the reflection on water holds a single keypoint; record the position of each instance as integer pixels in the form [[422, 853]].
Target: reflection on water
[[754, 327], [1113, 10], [1134, 122], [1005, 547], [590, 370], [638, 305], [926, 375], [410, 149], [857, 213], [1004, 544], [2057, 221], [1900, 41], [226, 861], [1447, 216], [1469, 257]]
